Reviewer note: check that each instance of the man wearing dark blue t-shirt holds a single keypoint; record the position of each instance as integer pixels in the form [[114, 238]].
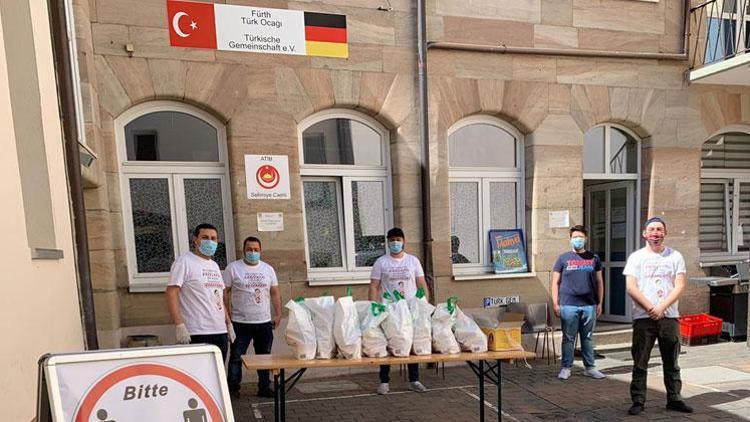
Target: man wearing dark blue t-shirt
[[577, 294]]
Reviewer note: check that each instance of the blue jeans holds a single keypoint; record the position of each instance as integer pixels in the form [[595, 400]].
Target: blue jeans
[[261, 335], [577, 320]]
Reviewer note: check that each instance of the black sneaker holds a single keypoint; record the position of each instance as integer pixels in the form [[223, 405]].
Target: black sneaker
[[267, 393], [679, 406], [636, 409]]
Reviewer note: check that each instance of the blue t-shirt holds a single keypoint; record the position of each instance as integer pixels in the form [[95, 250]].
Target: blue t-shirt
[[578, 285]]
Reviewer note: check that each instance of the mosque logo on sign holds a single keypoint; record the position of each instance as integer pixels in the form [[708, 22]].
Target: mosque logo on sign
[[267, 176]]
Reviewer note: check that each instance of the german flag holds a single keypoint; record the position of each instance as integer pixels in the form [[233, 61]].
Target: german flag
[[325, 35]]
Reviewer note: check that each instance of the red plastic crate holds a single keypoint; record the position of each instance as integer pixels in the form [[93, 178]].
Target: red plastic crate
[[700, 325]]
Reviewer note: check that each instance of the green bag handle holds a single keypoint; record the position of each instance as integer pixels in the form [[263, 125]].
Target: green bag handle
[[299, 299], [420, 293], [349, 291], [387, 296], [377, 308], [451, 304], [397, 295]]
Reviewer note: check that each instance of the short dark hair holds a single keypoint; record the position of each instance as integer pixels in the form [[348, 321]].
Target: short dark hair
[[395, 232], [655, 220], [578, 228], [204, 226], [251, 239]]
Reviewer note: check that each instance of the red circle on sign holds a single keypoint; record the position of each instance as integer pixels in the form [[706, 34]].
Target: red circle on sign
[[267, 176], [104, 384]]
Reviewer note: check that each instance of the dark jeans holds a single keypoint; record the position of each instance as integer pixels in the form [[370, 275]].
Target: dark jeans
[[645, 332], [218, 340], [385, 372], [261, 335]]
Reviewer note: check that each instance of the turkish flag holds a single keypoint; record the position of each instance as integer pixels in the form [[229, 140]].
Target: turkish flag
[[191, 24]]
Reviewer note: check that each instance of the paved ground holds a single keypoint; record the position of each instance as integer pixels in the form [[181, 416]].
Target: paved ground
[[716, 382]]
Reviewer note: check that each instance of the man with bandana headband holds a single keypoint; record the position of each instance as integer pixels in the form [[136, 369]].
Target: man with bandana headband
[[655, 277]]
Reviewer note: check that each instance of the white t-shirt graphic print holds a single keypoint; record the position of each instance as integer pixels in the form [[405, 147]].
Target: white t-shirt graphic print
[[201, 293], [397, 275], [251, 291], [655, 274]]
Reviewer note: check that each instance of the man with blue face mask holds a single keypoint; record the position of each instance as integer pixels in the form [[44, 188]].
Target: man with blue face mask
[[577, 295], [397, 271], [195, 294], [252, 288]]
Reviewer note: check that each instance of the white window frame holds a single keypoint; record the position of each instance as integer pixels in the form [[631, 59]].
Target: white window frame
[[608, 175], [175, 172], [735, 177], [344, 175], [484, 176]]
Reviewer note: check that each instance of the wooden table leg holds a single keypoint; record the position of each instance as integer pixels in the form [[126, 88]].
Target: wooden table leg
[[276, 397]]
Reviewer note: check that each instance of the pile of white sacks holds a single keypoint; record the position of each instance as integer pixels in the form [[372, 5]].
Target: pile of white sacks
[[324, 328]]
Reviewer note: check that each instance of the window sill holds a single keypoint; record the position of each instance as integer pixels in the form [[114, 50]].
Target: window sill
[[46, 254], [323, 281], [485, 276]]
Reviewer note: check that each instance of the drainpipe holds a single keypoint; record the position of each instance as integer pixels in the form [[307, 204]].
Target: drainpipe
[[61, 52], [424, 141], [505, 49]]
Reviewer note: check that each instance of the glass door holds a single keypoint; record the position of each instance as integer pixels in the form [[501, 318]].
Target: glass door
[[610, 219]]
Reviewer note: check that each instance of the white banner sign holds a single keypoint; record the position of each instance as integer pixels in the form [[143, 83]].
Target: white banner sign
[[267, 176], [182, 383], [256, 29]]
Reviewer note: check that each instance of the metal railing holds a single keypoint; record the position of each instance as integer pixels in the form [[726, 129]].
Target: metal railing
[[720, 29]]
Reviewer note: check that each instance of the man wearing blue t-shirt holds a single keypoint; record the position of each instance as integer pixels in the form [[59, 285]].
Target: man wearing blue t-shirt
[[577, 294]]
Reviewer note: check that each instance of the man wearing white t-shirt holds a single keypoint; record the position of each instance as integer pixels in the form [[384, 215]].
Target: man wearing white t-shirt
[[195, 294], [397, 271], [252, 288], [655, 277]]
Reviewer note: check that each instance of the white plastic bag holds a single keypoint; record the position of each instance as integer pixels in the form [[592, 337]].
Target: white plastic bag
[[322, 313], [346, 329], [469, 335], [443, 339], [300, 332], [371, 315], [398, 327], [421, 312]]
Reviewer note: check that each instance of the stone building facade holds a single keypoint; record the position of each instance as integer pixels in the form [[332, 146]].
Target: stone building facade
[[545, 107]]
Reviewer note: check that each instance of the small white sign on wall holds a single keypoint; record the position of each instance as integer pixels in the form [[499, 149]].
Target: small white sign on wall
[[267, 176], [559, 219], [270, 221], [498, 301]]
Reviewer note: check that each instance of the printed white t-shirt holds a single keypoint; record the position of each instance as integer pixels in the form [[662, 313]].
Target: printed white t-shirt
[[397, 275], [251, 291], [655, 274], [201, 293]]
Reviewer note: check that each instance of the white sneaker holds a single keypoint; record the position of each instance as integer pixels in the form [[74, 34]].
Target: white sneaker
[[594, 373], [383, 388], [417, 387], [564, 373]]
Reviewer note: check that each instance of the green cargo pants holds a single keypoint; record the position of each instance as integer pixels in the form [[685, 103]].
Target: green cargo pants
[[645, 333]]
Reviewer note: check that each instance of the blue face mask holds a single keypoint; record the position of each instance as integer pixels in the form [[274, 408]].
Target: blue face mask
[[395, 246], [578, 242], [252, 257], [208, 247]]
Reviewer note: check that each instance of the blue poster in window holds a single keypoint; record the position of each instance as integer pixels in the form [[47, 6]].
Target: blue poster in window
[[508, 251]]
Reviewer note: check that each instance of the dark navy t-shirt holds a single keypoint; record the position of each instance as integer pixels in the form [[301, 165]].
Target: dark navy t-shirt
[[578, 285]]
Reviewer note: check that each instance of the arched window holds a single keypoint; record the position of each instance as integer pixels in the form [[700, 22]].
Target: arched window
[[725, 195], [485, 159], [609, 152], [346, 194], [173, 177]]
